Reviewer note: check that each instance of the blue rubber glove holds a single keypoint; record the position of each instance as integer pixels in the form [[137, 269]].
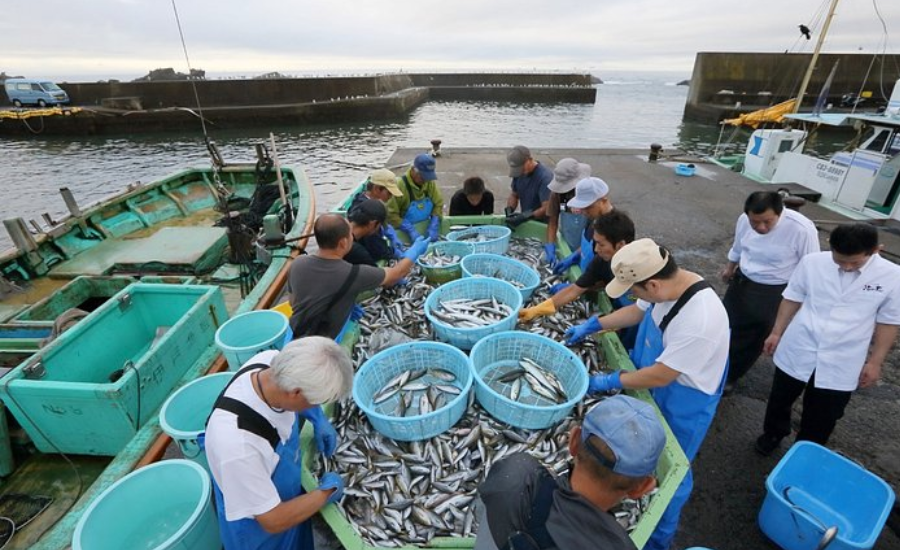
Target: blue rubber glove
[[416, 249], [402, 282], [580, 332], [434, 229], [550, 254], [396, 244], [559, 287], [410, 230], [563, 265], [605, 383], [357, 313], [325, 434], [331, 480]]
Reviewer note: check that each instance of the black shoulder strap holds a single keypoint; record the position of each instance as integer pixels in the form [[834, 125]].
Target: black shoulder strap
[[535, 536], [248, 419], [408, 188], [312, 328], [682, 300]]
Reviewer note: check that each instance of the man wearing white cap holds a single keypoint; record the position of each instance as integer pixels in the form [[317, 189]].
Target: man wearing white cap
[[615, 452], [591, 200], [681, 351], [529, 188], [560, 217]]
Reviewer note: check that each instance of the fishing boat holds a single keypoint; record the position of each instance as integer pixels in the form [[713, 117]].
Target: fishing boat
[[862, 182], [107, 312], [490, 165]]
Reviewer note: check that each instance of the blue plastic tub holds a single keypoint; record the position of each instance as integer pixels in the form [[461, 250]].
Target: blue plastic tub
[[475, 289], [685, 169], [501, 267], [495, 354], [247, 334], [385, 365], [441, 275], [163, 506], [498, 238], [812, 489], [183, 416]]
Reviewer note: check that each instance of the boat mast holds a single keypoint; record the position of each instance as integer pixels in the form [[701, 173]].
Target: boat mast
[[815, 56]]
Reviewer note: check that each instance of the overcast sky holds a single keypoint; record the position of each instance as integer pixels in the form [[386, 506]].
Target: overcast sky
[[126, 38]]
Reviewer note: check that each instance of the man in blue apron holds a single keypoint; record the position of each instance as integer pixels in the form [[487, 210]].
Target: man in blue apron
[[528, 189], [421, 205], [560, 217], [615, 451], [592, 201], [252, 443], [681, 352]]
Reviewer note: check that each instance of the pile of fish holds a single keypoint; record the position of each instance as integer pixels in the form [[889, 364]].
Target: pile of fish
[[416, 392], [435, 258], [469, 313], [498, 275], [543, 386], [473, 236], [400, 493]]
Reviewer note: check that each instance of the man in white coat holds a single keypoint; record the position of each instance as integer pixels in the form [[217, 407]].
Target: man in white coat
[[836, 304]]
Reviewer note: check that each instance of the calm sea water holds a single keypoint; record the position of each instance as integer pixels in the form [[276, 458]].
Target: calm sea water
[[632, 110]]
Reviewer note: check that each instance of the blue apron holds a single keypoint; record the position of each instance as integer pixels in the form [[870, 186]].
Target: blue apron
[[419, 210], [247, 533], [689, 413], [571, 226], [587, 247]]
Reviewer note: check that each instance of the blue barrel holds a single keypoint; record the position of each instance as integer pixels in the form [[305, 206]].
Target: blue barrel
[[244, 336], [183, 415], [163, 506]]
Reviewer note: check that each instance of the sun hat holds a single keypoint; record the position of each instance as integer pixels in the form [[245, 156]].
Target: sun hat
[[635, 262], [588, 191], [385, 178], [567, 173]]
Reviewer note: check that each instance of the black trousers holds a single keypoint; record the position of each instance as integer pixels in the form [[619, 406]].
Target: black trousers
[[821, 408], [752, 309]]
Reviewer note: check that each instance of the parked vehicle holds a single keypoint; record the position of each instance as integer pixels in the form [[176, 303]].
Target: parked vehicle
[[25, 91]]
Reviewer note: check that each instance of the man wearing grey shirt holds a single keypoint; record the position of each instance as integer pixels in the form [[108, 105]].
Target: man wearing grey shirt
[[769, 242]]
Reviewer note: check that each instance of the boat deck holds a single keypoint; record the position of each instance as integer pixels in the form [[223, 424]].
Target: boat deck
[[694, 216]]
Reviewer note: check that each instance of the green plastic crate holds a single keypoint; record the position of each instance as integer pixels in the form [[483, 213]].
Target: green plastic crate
[[81, 395], [86, 292], [673, 464]]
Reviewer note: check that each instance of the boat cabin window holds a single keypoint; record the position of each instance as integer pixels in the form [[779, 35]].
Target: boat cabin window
[[878, 140]]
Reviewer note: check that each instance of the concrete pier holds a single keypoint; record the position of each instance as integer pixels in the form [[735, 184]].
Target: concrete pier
[[726, 84], [135, 107]]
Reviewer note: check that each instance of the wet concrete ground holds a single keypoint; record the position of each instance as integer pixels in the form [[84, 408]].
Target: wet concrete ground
[[694, 217]]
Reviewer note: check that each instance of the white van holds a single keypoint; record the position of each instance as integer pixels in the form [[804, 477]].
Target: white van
[[25, 91]]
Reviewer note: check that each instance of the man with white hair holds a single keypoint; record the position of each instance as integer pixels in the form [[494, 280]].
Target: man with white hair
[[252, 444]]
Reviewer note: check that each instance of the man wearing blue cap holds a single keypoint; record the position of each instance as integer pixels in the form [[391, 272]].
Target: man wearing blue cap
[[421, 200], [615, 452]]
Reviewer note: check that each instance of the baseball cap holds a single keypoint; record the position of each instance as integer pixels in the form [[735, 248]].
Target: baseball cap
[[367, 211], [567, 173], [588, 191], [635, 262], [632, 431], [385, 178], [516, 159], [424, 165]]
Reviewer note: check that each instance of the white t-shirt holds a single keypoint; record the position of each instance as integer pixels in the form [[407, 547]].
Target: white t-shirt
[[696, 341], [242, 463], [833, 328], [771, 258]]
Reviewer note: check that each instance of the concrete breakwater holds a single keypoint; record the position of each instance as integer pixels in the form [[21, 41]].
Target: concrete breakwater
[[133, 107], [725, 84]]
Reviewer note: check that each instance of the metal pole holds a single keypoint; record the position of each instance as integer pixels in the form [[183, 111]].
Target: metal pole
[[815, 56]]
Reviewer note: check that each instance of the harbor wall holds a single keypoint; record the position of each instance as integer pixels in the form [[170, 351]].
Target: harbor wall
[[135, 107], [724, 84]]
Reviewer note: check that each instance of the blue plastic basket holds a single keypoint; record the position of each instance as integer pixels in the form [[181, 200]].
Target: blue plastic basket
[[497, 353], [501, 267], [385, 365], [440, 275], [475, 289], [498, 238], [812, 489]]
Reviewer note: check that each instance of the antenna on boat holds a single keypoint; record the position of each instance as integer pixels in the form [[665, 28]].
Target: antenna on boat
[[815, 56]]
